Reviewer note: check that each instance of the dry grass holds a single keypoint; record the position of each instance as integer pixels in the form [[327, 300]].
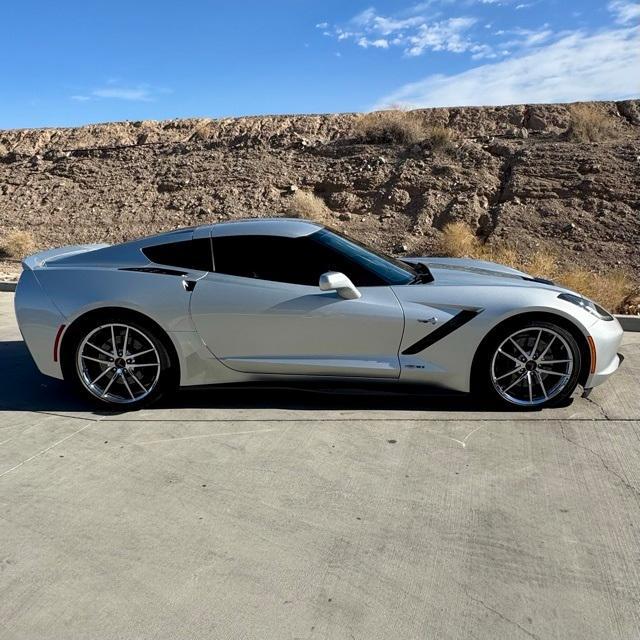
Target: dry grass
[[589, 124], [608, 289], [458, 241], [394, 125], [304, 204], [441, 138], [611, 290], [402, 127], [17, 245]]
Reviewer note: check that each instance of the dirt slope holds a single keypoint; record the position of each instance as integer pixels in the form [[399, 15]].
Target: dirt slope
[[513, 175]]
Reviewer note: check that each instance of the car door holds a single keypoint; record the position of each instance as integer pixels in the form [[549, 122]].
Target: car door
[[261, 311]]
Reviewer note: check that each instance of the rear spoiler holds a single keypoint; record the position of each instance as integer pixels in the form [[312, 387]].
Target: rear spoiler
[[39, 260]]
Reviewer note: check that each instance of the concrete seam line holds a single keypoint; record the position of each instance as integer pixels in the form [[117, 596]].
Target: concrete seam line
[[205, 435], [55, 444]]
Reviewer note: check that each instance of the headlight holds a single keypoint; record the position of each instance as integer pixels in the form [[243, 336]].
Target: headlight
[[593, 308]]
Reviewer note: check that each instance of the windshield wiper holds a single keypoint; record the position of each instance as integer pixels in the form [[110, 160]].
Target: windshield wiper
[[423, 274]]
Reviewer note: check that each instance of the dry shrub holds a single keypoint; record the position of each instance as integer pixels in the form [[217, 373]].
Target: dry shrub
[[611, 290], [502, 254], [607, 289], [589, 124], [304, 204], [17, 245], [458, 241], [631, 303], [394, 125], [441, 138], [542, 264]]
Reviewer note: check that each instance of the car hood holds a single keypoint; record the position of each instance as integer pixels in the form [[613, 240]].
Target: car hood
[[463, 271]]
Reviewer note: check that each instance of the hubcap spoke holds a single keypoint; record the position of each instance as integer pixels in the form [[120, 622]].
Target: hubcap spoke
[[102, 351], [509, 373], [141, 353], [504, 353], [517, 381], [535, 346], [139, 383], [520, 349], [95, 359], [103, 374], [106, 389], [553, 373], [541, 383], [113, 342], [544, 353], [126, 384], [530, 383]]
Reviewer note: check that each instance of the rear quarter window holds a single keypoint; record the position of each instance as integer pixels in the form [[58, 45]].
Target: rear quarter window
[[186, 254]]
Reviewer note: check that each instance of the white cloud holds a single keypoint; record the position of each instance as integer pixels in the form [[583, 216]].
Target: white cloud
[[527, 37], [446, 35], [411, 31], [370, 20], [138, 94], [380, 43], [578, 66], [114, 91], [625, 11]]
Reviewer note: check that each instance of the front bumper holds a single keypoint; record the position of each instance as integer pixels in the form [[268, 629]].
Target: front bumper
[[607, 335]]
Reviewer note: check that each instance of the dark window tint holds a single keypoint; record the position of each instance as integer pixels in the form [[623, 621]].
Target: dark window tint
[[385, 268], [188, 254], [294, 260]]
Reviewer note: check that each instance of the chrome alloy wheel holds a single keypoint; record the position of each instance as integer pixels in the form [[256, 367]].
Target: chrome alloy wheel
[[118, 363], [532, 366]]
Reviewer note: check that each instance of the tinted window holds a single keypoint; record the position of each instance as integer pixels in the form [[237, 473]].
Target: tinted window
[[387, 269], [298, 260], [188, 254]]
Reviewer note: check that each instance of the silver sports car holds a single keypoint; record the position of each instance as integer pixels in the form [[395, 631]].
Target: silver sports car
[[283, 300]]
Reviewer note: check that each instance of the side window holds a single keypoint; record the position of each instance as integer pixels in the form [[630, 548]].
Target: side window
[[292, 260], [188, 254], [262, 257]]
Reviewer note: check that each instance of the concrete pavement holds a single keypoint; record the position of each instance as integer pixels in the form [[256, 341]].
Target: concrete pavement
[[289, 514]]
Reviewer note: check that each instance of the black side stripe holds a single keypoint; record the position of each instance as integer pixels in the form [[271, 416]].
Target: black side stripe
[[159, 270], [441, 332]]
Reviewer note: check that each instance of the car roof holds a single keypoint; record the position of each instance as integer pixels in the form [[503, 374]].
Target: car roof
[[286, 227]]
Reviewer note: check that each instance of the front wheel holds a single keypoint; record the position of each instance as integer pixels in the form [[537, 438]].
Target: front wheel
[[118, 362], [533, 364]]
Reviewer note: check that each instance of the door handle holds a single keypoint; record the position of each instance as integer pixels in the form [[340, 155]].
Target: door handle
[[432, 320], [189, 285]]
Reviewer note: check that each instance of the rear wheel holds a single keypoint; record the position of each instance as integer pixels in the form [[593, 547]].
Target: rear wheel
[[533, 364], [119, 362]]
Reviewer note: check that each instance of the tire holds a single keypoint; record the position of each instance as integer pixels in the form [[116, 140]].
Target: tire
[[128, 379], [531, 364]]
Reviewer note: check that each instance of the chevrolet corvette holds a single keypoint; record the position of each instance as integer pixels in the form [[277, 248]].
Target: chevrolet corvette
[[288, 299]]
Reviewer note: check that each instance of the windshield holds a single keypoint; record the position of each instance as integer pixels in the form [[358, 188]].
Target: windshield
[[388, 269]]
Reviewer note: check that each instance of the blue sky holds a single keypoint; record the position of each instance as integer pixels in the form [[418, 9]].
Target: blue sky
[[70, 62]]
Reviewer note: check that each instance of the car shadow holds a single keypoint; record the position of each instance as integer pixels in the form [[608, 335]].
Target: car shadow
[[24, 388]]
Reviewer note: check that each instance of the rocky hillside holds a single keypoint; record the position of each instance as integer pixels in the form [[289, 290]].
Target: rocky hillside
[[512, 173]]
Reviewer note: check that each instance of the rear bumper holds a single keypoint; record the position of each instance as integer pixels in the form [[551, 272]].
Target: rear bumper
[[39, 321], [607, 336]]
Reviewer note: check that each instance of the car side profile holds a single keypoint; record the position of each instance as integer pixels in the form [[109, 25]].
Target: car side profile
[[287, 299]]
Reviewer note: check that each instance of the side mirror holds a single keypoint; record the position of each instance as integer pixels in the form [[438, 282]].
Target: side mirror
[[336, 281]]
